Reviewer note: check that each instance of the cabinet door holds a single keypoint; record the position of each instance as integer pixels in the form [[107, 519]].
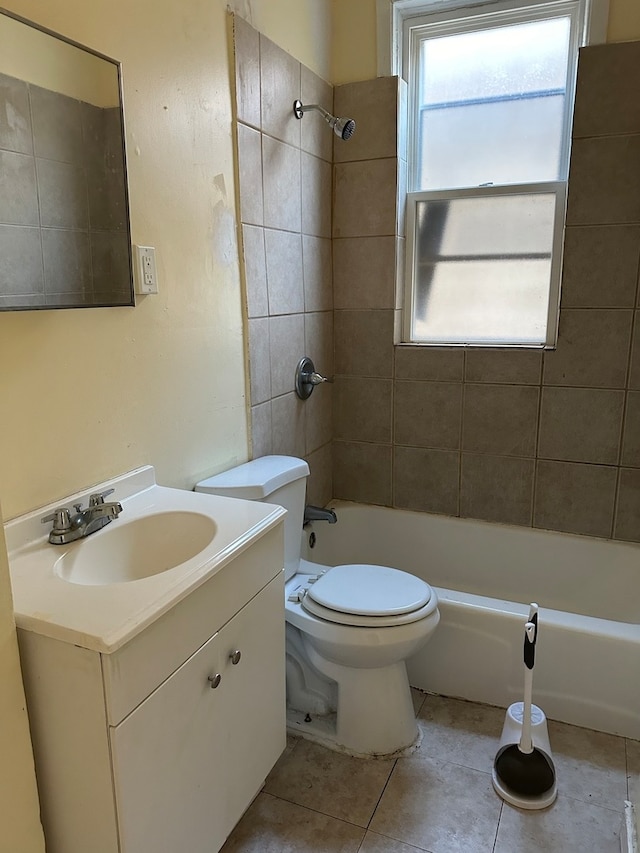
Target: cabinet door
[[190, 758]]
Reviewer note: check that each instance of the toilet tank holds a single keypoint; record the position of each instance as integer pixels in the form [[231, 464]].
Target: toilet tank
[[270, 479]]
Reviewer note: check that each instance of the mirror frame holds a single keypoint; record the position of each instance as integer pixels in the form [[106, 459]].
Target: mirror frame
[[127, 214]]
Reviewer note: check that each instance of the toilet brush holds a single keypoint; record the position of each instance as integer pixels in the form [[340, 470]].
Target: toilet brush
[[523, 771]]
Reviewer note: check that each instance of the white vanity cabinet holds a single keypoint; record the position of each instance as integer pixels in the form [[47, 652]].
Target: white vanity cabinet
[[145, 749], [190, 758]]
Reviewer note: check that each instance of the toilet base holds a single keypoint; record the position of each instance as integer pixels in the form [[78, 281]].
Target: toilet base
[[322, 730]]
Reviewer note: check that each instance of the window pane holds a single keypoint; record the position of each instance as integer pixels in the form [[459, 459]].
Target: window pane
[[482, 269], [491, 105]]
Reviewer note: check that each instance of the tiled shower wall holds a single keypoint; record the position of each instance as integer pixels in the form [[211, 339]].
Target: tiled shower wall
[[63, 217], [549, 440], [285, 211]]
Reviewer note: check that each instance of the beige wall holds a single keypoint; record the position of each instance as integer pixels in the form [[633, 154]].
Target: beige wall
[[87, 394], [354, 42], [19, 817]]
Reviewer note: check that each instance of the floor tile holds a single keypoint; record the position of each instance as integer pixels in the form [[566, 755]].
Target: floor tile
[[590, 766], [460, 732], [444, 808], [323, 780], [271, 825], [633, 772], [570, 826], [418, 698], [374, 843]]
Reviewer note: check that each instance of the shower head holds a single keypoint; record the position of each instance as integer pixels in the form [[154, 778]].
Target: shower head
[[342, 127]]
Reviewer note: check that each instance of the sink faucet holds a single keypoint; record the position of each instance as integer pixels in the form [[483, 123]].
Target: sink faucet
[[68, 526]]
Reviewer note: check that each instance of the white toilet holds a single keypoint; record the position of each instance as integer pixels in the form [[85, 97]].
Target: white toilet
[[349, 628]]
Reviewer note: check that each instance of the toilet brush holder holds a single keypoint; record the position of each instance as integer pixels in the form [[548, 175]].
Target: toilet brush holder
[[511, 735], [512, 728]]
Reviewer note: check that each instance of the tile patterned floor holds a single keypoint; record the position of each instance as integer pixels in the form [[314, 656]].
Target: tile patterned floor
[[440, 799]]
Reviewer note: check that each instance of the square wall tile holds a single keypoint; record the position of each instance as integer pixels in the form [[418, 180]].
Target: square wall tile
[[288, 425], [319, 418], [581, 425], [606, 92], [445, 365], [317, 274], [363, 272], [286, 349], [500, 419], [497, 488], [593, 348], [600, 266], [20, 260], [283, 251], [67, 261], [631, 436], [575, 498], [316, 136], [255, 271], [634, 367], [318, 341], [362, 472], [428, 414], [62, 194], [281, 174], [18, 190], [261, 440], [247, 71], [250, 175], [57, 126], [627, 525], [362, 409], [426, 480], [110, 265], [373, 104], [364, 200], [316, 196], [259, 360], [604, 181], [15, 116], [509, 366], [280, 87], [320, 482], [364, 343]]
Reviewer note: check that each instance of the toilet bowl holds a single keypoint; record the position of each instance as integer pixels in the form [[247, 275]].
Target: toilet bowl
[[349, 629]]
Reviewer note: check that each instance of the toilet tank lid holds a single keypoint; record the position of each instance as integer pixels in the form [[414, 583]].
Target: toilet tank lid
[[256, 479]]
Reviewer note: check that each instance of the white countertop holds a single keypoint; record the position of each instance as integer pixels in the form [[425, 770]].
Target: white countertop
[[105, 617]]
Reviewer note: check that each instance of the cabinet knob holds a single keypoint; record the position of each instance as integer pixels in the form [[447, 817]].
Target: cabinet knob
[[234, 657], [214, 680]]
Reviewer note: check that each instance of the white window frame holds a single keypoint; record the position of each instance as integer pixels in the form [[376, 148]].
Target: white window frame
[[397, 22]]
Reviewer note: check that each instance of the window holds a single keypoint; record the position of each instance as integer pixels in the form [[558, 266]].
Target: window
[[490, 104]]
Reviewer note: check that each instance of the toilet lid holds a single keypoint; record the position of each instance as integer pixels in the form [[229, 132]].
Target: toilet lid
[[365, 590]]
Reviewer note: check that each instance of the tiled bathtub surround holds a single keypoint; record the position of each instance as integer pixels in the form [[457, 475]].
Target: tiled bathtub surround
[[285, 209], [548, 439], [63, 221]]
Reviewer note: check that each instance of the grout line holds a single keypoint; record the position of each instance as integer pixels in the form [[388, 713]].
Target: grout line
[[495, 840], [375, 808]]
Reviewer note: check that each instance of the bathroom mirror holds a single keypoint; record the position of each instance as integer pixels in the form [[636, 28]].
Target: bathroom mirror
[[64, 217]]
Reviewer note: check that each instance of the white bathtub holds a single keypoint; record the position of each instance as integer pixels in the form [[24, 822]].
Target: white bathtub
[[588, 654]]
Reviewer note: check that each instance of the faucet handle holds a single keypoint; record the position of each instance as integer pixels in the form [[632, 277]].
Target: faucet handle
[[61, 518], [97, 498]]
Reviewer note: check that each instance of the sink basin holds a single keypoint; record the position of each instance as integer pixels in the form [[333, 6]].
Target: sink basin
[[131, 550]]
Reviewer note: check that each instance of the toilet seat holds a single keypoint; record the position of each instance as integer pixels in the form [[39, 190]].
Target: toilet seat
[[369, 596]]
